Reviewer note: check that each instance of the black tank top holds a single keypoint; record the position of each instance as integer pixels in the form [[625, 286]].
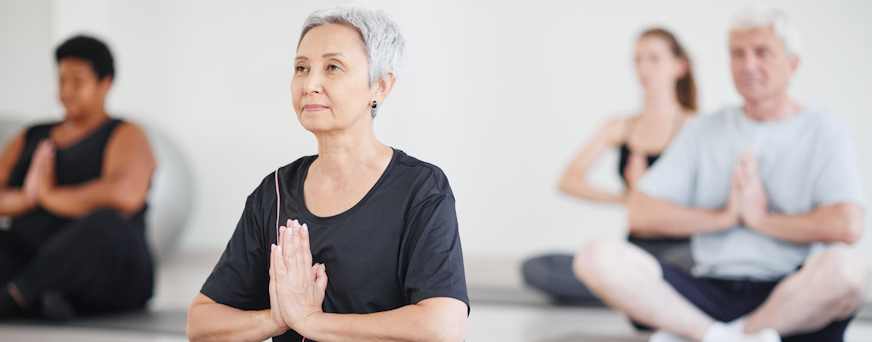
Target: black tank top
[[625, 148], [76, 164], [625, 157], [654, 246]]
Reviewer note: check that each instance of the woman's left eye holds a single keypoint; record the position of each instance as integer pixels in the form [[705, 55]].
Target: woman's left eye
[[332, 67]]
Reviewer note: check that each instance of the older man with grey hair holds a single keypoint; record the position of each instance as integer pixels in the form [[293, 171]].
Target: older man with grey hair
[[769, 193]]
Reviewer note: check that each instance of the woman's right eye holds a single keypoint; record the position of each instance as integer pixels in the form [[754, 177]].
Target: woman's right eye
[[301, 68]]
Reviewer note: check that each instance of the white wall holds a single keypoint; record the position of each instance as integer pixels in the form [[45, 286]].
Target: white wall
[[500, 94], [26, 59]]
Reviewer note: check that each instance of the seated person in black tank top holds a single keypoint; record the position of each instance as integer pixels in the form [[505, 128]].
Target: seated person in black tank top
[[76, 192], [380, 223], [664, 71]]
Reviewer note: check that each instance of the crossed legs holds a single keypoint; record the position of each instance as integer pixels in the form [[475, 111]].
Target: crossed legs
[[828, 287]]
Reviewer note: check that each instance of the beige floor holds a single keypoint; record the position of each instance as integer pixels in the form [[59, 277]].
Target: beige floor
[[180, 277]]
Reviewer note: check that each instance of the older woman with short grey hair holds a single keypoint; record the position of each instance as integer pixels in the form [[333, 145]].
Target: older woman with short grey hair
[[359, 242]]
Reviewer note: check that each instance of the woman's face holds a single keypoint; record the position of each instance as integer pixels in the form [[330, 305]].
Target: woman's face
[[330, 87], [78, 87], [656, 65]]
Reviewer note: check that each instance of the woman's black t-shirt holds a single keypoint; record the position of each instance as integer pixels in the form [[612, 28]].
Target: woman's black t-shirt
[[398, 246]]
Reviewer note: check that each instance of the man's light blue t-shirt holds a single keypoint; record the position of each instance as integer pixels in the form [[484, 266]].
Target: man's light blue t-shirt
[[805, 161]]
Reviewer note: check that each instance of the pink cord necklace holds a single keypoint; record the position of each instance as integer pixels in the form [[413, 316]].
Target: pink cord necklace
[[278, 205]]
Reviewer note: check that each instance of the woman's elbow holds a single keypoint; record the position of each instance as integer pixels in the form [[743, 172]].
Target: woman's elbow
[[564, 185], [572, 186], [444, 321], [191, 328], [128, 200], [194, 329], [453, 332]]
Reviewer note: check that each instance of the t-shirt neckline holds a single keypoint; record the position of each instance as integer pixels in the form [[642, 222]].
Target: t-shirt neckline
[[310, 217], [759, 123]]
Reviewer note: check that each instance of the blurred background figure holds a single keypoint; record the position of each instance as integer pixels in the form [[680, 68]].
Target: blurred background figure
[[770, 194], [74, 195], [664, 71]]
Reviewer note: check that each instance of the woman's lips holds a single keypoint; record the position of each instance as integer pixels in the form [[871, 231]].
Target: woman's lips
[[314, 107]]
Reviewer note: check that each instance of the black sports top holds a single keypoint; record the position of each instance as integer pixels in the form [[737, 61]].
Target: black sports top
[[625, 148], [398, 246], [653, 245], [625, 157], [75, 164]]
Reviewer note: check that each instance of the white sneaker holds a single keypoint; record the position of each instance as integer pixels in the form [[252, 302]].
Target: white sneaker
[[735, 332], [665, 336]]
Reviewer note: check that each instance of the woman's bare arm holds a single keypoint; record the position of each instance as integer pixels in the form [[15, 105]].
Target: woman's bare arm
[[211, 321], [128, 165], [13, 201], [434, 319], [574, 181]]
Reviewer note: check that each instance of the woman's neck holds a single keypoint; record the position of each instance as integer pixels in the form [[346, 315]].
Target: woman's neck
[[84, 121], [351, 151], [661, 103]]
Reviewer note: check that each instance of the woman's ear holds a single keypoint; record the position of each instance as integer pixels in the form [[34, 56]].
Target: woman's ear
[[105, 84], [383, 86], [682, 69]]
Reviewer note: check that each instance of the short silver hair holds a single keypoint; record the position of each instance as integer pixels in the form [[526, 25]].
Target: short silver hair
[[759, 16], [382, 41]]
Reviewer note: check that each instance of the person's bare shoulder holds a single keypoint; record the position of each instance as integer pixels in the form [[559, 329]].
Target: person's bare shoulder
[[130, 139], [614, 129]]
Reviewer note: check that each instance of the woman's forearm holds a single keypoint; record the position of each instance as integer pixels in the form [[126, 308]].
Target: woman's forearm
[[13, 202], [435, 319], [579, 188], [79, 200], [218, 322]]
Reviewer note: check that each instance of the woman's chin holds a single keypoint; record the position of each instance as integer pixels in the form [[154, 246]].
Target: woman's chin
[[317, 126], [73, 113]]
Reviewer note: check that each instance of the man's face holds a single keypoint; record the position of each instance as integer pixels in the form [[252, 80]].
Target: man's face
[[761, 67]]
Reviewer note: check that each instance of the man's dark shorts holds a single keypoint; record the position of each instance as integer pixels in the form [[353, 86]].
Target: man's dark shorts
[[727, 300]]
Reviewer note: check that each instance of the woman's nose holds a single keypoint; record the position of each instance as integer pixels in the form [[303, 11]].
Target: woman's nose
[[312, 84]]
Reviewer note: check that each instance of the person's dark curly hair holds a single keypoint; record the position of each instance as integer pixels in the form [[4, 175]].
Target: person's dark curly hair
[[90, 50]]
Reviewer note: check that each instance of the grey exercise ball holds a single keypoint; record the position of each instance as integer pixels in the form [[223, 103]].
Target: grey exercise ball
[[170, 199]]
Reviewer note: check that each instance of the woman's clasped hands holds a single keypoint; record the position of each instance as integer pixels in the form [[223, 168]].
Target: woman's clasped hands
[[296, 286]]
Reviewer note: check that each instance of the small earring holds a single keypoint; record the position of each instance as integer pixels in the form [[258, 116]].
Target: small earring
[[374, 104]]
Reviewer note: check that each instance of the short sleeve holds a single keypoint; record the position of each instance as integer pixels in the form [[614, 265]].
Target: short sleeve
[[839, 181], [672, 177], [241, 277], [435, 267]]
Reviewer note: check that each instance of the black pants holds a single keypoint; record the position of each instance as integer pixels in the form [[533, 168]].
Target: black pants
[[727, 300], [552, 273], [99, 262]]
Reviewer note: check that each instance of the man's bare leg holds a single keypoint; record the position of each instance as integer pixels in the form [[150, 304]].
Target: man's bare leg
[[631, 281], [829, 287]]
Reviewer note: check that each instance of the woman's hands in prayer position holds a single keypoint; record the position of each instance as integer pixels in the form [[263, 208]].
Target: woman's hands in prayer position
[[41, 174], [637, 164], [296, 287]]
